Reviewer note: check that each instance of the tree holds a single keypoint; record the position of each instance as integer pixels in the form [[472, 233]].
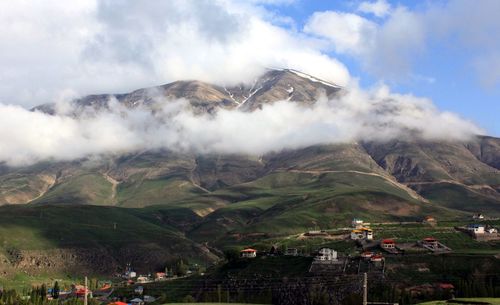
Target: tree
[[188, 299], [231, 254], [43, 291], [181, 269], [55, 290]]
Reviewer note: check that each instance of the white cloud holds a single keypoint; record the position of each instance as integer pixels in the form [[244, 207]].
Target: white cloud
[[27, 137], [55, 50], [386, 50], [389, 48], [379, 8], [348, 32], [100, 46]]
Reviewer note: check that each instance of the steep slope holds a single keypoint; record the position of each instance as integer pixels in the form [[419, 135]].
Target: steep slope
[[486, 149], [452, 174]]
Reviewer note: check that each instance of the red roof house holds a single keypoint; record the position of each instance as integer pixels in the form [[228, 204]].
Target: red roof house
[[387, 243], [446, 286], [248, 253]]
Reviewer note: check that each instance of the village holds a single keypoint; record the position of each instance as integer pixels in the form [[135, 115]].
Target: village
[[374, 249], [369, 257]]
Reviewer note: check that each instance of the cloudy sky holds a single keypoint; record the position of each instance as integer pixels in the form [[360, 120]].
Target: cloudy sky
[[446, 52]]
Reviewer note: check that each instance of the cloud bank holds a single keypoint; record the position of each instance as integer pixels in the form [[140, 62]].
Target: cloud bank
[[27, 137], [102, 46], [55, 50]]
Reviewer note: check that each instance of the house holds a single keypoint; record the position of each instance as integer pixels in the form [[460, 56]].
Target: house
[[362, 233], [430, 220], [367, 255], [248, 253], [117, 303], [492, 230], [431, 242], [445, 286], [368, 233], [131, 274], [326, 254], [159, 276], [79, 291], [357, 223], [356, 234], [139, 290], [376, 258], [292, 252], [478, 216], [476, 228], [142, 279], [137, 301], [388, 244]]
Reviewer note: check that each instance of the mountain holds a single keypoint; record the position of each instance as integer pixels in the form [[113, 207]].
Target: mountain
[[201, 201], [274, 85]]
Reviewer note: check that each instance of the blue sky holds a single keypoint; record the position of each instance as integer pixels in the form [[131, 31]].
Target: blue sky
[[443, 71]]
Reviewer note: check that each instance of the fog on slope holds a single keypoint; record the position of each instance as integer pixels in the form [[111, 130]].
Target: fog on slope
[[27, 137]]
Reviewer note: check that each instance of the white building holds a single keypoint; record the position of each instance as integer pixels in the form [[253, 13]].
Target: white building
[[326, 254], [139, 290], [131, 274], [478, 216], [357, 223], [476, 228], [492, 230]]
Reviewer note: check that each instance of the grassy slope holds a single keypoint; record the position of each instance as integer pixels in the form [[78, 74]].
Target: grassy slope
[[288, 203], [82, 188], [460, 198], [44, 227]]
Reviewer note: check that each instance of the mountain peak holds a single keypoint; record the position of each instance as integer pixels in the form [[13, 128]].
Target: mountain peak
[[274, 85]]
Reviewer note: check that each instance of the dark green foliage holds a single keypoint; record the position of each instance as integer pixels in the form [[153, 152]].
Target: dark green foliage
[[55, 290]]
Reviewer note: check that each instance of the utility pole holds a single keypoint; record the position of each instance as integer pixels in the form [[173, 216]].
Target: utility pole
[[85, 302], [219, 293], [365, 289]]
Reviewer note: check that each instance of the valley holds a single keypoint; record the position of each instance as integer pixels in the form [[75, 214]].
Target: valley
[[150, 209]]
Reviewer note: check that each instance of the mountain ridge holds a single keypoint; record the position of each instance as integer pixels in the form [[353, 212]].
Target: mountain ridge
[[151, 207], [143, 178]]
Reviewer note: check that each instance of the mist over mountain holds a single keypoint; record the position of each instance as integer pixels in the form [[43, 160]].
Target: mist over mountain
[[185, 142], [282, 109]]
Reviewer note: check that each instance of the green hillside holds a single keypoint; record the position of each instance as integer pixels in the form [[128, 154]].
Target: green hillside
[[78, 238]]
